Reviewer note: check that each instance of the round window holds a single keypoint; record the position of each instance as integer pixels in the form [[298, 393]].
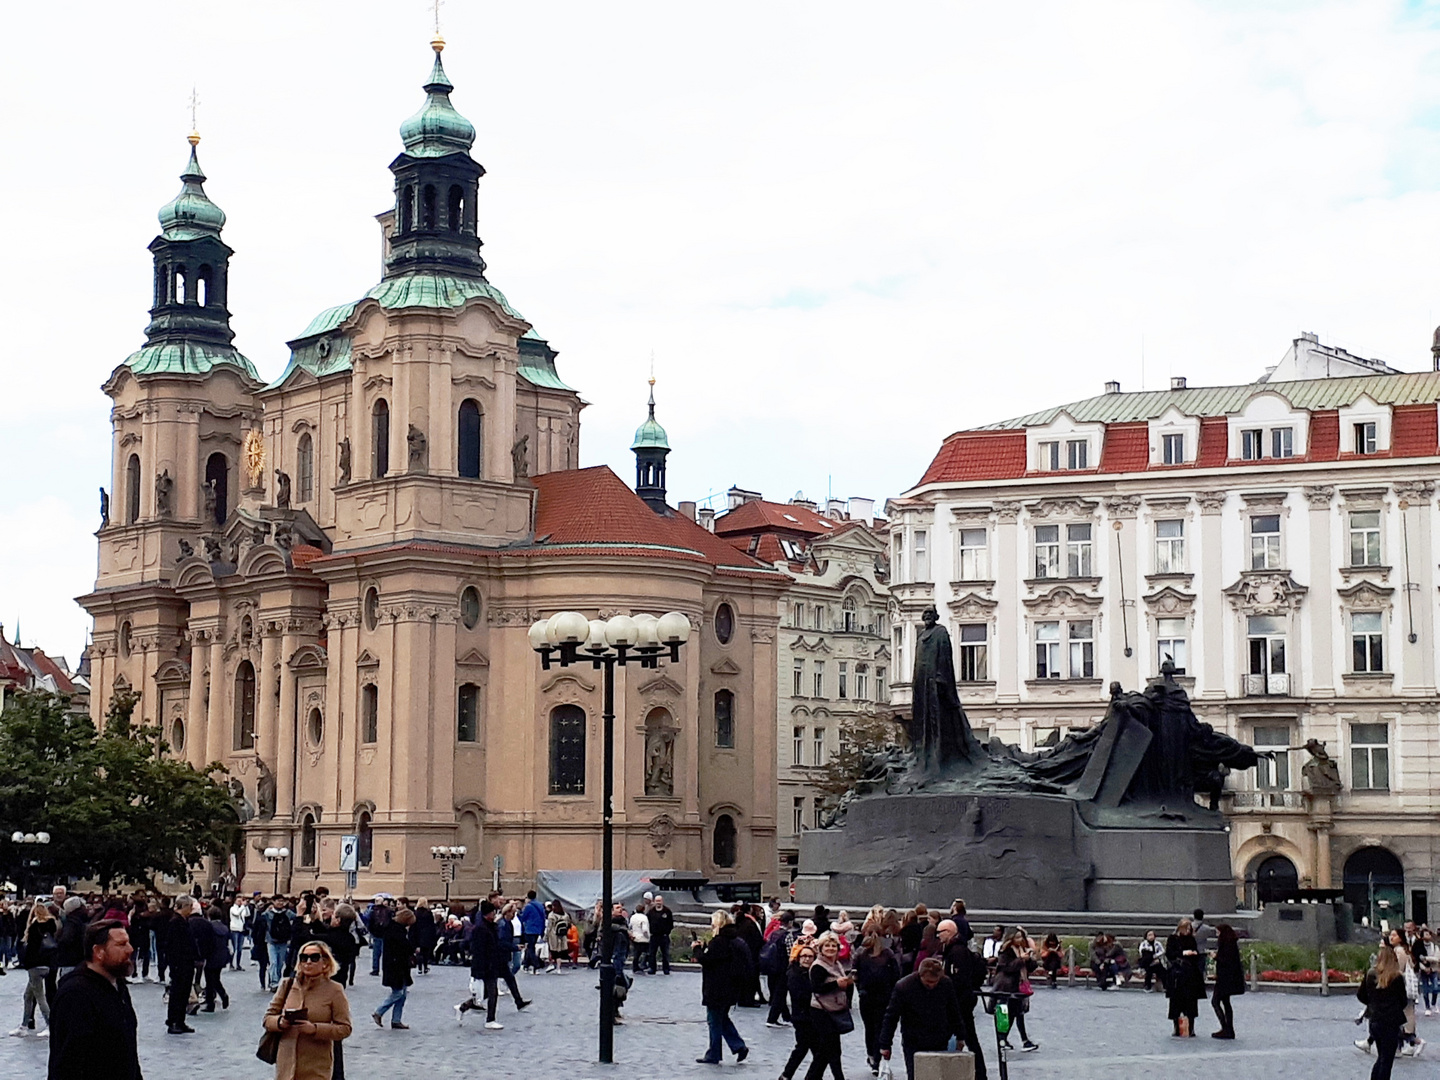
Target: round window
[[470, 607], [315, 726], [177, 736], [372, 608], [724, 624]]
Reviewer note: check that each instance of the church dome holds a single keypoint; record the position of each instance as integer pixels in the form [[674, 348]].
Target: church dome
[[191, 213], [437, 129], [650, 435]]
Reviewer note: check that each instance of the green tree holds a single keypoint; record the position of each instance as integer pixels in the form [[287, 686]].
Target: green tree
[[118, 808], [860, 738]]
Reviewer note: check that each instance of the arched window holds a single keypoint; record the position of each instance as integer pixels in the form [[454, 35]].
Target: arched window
[[567, 750], [850, 616], [305, 469], [722, 847], [1276, 880], [217, 471], [468, 462], [125, 634], [309, 842], [427, 207], [245, 706], [132, 489], [725, 719], [202, 286], [380, 438], [456, 216], [1375, 885], [724, 624], [177, 295], [366, 852], [406, 200], [162, 276], [369, 713], [467, 714]]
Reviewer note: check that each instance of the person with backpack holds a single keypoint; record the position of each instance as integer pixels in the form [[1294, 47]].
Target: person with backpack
[[38, 952], [279, 926], [377, 918], [557, 935], [775, 965]]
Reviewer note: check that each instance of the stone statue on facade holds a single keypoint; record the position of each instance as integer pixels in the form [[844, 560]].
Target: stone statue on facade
[[104, 508], [344, 460], [186, 549], [419, 448], [213, 551], [1321, 773], [209, 496], [517, 458], [282, 490], [164, 486], [244, 810], [659, 762], [264, 791]]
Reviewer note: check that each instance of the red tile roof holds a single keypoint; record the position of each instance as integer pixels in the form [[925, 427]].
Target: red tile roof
[[1214, 442], [1324, 442], [1127, 448], [302, 555], [978, 455], [1416, 431], [759, 515]]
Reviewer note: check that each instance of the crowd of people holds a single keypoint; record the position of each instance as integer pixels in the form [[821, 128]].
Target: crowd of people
[[919, 975]]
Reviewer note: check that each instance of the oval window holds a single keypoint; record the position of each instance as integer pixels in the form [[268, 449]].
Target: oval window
[[177, 736], [372, 608], [724, 624], [315, 726], [470, 607]]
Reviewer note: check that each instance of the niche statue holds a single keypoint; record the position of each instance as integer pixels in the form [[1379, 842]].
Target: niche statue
[[282, 490]]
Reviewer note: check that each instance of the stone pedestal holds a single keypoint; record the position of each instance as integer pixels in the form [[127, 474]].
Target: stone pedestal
[[938, 1066], [1021, 851]]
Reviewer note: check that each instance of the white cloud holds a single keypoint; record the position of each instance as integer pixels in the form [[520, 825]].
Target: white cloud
[[844, 233]]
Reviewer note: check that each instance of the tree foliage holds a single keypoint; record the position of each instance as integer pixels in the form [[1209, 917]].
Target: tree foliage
[[118, 808], [860, 737]]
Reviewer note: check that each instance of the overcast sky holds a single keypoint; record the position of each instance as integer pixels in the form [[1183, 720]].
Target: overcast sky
[[843, 229]]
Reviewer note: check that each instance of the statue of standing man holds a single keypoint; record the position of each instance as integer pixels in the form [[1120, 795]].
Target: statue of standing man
[[939, 731]]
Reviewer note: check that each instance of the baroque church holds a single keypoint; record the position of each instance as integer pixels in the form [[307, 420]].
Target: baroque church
[[324, 583]]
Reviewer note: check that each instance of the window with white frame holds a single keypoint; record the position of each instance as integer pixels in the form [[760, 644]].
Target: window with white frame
[[799, 674], [1272, 775], [1282, 442], [819, 758], [1082, 649], [1173, 448], [862, 682], [818, 810], [1044, 738], [921, 559], [899, 649], [1370, 757], [849, 617], [1171, 644], [974, 555], [1366, 437], [1047, 650], [974, 652], [819, 679], [799, 617], [897, 558], [797, 818], [1077, 454], [880, 684], [1265, 542], [1365, 538], [1079, 552], [844, 683], [1265, 635], [1367, 649], [798, 744], [819, 617], [1252, 444], [1170, 546], [1047, 551], [1048, 459]]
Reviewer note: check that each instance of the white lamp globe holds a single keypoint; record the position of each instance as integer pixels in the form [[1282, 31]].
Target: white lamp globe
[[42, 837], [284, 852], [648, 627], [17, 837], [621, 630], [29, 838], [595, 642], [674, 628], [272, 853], [572, 628], [540, 634], [462, 849]]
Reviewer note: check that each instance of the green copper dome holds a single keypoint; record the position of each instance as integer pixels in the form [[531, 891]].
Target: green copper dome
[[191, 214], [650, 435], [437, 129]]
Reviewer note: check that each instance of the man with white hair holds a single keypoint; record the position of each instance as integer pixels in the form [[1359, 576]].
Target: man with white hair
[[183, 955]]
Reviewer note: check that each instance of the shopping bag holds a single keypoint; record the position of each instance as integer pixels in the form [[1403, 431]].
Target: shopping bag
[[886, 1072]]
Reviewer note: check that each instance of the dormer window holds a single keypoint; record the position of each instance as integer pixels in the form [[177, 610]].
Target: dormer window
[[1049, 457], [1173, 448], [1077, 454], [1366, 439], [1252, 441], [1282, 442]]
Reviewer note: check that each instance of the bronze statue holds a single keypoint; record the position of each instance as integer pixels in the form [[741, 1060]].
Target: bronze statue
[[517, 458], [939, 730], [282, 490], [345, 461], [163, 487], [104, 508]]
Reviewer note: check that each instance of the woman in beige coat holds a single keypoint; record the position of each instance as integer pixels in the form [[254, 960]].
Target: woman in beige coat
[[306, 1045]]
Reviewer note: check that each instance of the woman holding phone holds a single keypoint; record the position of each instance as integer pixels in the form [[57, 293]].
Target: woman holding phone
[[311, 1014]]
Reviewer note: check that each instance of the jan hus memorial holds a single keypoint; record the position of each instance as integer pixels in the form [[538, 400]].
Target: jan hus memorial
[[1108, 820]]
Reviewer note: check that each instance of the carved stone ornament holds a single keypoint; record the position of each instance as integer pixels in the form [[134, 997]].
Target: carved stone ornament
[[1063, 601], [1415, 490], [1266, 593], [973, 515], [1063, 507], [1366, 596], [661, 833], [1170, 602], [1319, 495], [1264, 500], [1007, 512], [1122, 506], [1211, 502], [972, 606]]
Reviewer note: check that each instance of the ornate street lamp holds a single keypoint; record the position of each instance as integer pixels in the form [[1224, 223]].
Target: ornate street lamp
[[276, 855], [41, 838], [566, 638], [448, 857]]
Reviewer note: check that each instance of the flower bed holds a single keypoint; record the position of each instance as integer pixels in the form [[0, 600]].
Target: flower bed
[[1309, 976]]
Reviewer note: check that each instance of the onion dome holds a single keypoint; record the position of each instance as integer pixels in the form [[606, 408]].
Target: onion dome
[[191, 214], [650, 435], [437, 129]]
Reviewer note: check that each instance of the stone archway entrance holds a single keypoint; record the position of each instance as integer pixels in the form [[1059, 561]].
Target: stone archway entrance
[[1375, 886], [1276, 879]]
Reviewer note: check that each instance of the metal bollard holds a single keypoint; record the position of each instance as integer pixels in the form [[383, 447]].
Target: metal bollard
[[1324, 976], [1070, 965], [1254, 971]]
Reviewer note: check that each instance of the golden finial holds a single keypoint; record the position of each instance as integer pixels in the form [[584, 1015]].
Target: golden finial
[[194, 137], [437, 42]]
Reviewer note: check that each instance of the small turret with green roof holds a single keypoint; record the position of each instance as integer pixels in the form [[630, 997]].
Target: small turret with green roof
[[651, 448]]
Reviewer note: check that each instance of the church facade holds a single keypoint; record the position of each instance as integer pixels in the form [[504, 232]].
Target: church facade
[[325, 582]]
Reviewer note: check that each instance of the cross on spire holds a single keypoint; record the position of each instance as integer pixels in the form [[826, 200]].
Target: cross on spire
[[194, 113], [436, 5]]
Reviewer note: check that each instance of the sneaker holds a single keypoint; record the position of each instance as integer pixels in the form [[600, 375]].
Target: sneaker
[[1028, 1046], [20, 1032], [494, 1025], [773, 1024], [1364, 1046], [504, 992], [1419, 1047], [460, 1013], [46, 1034], [523, 1004]]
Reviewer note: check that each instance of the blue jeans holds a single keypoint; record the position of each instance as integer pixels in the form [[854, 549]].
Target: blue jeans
[[514, 961], [397, 999], [721, 1027], [1430, 987], [278, 951], [377, 946], [532, 962], [237, 947]]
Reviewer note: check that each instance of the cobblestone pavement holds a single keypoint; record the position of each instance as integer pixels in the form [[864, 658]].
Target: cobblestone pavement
[[1084, 1035]]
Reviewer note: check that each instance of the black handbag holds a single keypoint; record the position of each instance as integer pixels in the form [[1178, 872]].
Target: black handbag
[[269, 1049]]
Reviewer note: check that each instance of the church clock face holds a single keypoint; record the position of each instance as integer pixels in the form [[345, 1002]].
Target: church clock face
[[254, 456]]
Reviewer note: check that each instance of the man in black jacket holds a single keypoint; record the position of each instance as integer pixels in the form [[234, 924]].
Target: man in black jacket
[[183, 956], [966, 971], [92, 1023], [662, 921], [926, 1009], [488, 965]]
